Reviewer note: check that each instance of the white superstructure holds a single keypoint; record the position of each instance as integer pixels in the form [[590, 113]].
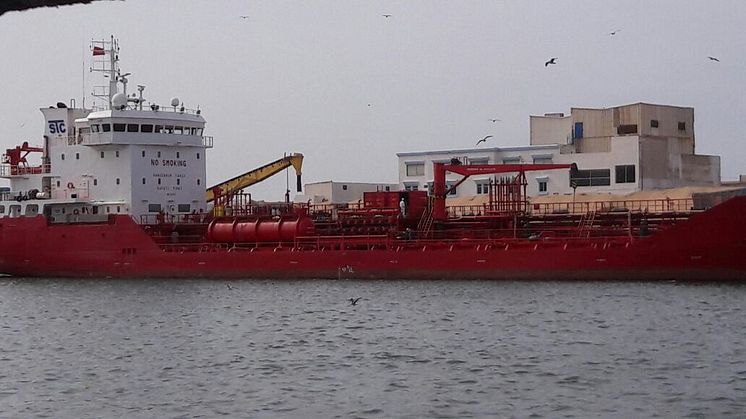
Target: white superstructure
[[133, 157]]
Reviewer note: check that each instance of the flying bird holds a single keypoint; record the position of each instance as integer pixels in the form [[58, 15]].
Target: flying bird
[[482, 140], [714, 59], [386, 16], [244, 16], [551, 61], [495, 119], [615, 32], [353, 301]]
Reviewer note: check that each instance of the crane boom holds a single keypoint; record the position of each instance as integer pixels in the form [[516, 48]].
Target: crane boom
[[257, 175]]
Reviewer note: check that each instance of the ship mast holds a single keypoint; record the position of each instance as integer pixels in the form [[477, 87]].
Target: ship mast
[[106, 61]]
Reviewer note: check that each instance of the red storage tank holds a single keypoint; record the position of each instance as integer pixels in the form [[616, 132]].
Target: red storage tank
[[259, 231]]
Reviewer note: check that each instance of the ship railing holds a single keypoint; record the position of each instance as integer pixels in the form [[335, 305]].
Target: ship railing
[[640, 205], [207, 141], [7, 170], [163, 218], [147, 106]]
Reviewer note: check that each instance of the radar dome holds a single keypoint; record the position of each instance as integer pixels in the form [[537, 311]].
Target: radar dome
[[119, 100], [175, 101]]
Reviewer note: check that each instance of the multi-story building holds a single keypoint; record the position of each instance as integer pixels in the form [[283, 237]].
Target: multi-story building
[[329, 192], [618, 150]]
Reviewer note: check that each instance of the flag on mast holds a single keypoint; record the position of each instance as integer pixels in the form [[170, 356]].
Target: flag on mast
[[98, 51]]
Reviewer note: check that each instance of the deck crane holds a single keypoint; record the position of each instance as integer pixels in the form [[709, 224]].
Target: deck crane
[[223, 192]]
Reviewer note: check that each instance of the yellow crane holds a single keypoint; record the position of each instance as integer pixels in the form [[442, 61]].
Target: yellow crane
[[224, 190]]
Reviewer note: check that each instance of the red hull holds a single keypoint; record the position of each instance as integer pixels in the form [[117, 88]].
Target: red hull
[[708, 246]]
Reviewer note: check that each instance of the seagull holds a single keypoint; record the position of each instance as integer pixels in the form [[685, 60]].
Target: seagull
[[244, 16], [495, 119], [551, 61], [353, 301], [615, 32], [386, 16], [229, 286], [714, 59], [482, 140]]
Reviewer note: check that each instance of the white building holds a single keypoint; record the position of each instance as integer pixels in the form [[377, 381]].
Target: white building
[[617, 150], [330, 192]]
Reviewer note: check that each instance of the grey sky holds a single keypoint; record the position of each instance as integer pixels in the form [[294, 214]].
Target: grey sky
[[299, 75]]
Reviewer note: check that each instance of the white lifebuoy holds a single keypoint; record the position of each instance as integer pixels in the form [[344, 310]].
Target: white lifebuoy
[[70, 185]]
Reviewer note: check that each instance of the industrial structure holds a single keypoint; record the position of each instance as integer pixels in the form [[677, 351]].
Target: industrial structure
[[618, 150]]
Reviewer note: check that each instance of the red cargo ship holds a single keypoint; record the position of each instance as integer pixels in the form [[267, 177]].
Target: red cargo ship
[[120, 192]]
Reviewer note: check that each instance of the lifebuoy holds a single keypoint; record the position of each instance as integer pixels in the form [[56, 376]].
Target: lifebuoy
[[70, 185], [76, 212]]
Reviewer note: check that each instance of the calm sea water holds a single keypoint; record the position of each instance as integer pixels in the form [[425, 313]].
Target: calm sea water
[[152, 348]]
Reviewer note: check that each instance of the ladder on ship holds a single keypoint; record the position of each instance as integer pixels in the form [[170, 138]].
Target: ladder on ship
[[426, 222], [586, 224]]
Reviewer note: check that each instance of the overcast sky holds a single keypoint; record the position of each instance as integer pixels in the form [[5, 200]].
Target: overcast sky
[[298, 76]]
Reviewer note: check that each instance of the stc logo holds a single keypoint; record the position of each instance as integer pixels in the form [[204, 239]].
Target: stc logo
[[56, 126]]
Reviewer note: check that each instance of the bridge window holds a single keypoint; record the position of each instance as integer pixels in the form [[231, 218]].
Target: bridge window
[[199, 131], [409, 186], [512, 160], [178, 130], [133, 128], [184, 208], [106, 127], [95, 128], [146, 128], [159, 129], [32, 210], [2, 209], [479, 160], [119, 127], [168, 129], [154, 207]]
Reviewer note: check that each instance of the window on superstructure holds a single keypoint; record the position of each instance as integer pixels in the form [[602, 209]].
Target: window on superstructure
[[653, 123], [194, 131], [119, 209], [116, 153], [108, 209], [102, 154], [178, 181], [159, 154], [143, 181], [198, 182], [117, 181], [32, 210], [177, 154], [133, 128], [178, 130], [512, 160], [95, 128], [58, 183], [154, 207], [159, 181], [168, 129], [159, 129], [146, 128], [77, 156], [197, 156], [2, 209], [106, 127], [199, 131], [143, 153], [62, 156], [119, 127], [682, 126], [184, 208], [95, 182]]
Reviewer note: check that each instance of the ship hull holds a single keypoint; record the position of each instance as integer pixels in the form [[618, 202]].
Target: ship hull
[[708, 246]]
